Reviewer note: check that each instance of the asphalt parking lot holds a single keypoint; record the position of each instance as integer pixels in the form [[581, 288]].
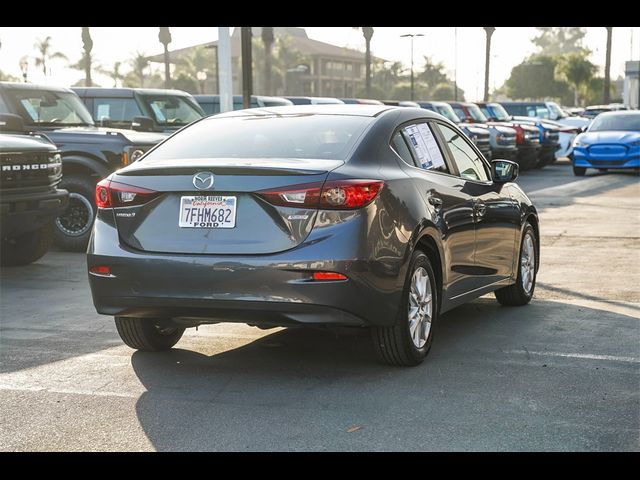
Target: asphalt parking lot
[[560, 374]]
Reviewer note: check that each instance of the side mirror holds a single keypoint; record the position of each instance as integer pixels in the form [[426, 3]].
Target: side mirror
[[504, 171], [11, 123], [142, 124]]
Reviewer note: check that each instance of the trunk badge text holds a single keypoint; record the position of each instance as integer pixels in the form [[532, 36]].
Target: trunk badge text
[[203, 180]]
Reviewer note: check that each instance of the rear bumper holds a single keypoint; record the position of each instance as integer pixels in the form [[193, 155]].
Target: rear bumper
[[26, 212], [271, 289]]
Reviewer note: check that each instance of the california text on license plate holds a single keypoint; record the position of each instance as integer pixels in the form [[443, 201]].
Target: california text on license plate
[[207, 212]]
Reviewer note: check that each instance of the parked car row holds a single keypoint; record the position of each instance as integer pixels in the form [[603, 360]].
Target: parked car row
[[95, 131]]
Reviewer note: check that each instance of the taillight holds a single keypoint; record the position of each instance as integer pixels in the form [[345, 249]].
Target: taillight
[[334, 195], [114, 194], [303, 196], [519, 134], [347, 194]]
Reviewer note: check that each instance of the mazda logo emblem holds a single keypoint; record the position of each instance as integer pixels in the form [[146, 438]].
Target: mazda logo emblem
[[203, 180]]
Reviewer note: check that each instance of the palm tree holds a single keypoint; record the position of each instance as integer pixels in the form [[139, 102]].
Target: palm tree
[[44, 53], [114, 73], [200, 60], [267, 39], [86, 60], [576, 70], [139, 63], [165, 39], [489, 31], [607, 68]]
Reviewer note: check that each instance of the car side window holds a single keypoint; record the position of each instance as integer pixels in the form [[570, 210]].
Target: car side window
[[115, 109], [3, 107], [423, 145], [467, 161], [400, 147]]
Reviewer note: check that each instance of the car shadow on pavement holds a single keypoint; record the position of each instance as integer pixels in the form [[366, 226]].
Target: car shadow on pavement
[[306, 389]]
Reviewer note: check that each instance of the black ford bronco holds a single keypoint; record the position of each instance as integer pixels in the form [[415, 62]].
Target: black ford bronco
[[30, 170]]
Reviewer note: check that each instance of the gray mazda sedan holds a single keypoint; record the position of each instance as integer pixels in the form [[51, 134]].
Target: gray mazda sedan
[[353, 215]]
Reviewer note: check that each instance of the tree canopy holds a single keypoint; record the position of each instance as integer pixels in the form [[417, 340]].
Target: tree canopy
[[559, 40]]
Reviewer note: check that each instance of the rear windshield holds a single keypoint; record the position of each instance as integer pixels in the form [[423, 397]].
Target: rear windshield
[[616, 122], [329, 137]]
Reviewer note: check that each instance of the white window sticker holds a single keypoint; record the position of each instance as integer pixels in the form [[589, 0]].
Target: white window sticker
[[425, 146]]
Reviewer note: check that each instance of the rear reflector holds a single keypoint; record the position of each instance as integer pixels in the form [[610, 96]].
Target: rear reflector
[[328, 276], [335, 195], [101, 270]]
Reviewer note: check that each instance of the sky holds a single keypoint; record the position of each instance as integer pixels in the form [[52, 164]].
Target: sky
[[509, 47]]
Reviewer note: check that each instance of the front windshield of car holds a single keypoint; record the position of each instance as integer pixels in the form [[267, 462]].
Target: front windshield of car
[[328, 137], [630, 123], [447, 111], [171, 110], [556, 111], [47, 107], [476, 113], [499, 112]]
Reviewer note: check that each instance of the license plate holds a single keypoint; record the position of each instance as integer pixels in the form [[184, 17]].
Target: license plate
[[207, 212]]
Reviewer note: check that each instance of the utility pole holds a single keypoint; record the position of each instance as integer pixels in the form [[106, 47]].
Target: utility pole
[[455, 63], [225, 81], [412, 35], [165, 39], [489, 31], [606, 97], [247, 67]]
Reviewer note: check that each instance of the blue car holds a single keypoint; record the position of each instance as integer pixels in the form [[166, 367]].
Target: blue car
[[611, 141]]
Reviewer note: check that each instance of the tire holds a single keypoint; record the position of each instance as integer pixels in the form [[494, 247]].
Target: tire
[[27, 247], [73, 226], [145, 334], [394, 344], [579, 171], [517, 294]]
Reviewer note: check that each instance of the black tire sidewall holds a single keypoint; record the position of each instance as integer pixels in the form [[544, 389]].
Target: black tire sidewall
[[418, 259], [527, 229], [85, 186], [27, 247]]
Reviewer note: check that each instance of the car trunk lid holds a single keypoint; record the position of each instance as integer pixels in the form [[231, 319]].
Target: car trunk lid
[[259, 226]]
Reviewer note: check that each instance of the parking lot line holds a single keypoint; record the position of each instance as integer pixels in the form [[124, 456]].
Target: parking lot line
[[588, 356]]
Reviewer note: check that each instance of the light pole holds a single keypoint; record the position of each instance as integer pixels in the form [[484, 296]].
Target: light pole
[[412, 35], [489, 32]]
